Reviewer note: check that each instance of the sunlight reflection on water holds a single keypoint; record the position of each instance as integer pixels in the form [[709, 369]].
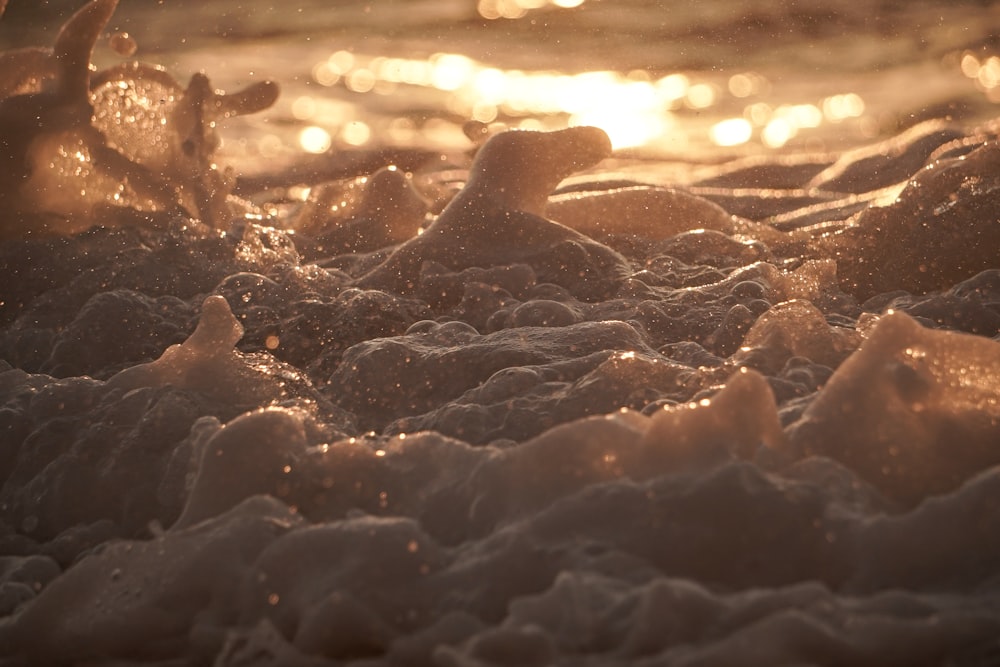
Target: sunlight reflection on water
[[634, 108], [515, 9], [688, 79]]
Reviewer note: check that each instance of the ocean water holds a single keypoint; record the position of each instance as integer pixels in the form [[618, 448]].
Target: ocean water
[[676, 79], [308, 358]]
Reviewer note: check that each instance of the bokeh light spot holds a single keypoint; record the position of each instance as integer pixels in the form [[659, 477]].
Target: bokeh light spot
[[315, 139]]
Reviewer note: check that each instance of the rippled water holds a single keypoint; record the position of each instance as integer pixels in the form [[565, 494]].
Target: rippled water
[[673, 78]]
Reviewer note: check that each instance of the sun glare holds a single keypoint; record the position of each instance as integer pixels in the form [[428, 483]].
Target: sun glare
[[634, 108], [515, 9], [732, 132]]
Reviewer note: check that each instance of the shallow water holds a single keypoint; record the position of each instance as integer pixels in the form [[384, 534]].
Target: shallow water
[[262, 406]]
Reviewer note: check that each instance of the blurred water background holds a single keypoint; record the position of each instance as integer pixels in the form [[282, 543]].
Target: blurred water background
[[693, 80]]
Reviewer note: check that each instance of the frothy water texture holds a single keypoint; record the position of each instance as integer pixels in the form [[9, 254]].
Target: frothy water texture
[[509, 332]]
